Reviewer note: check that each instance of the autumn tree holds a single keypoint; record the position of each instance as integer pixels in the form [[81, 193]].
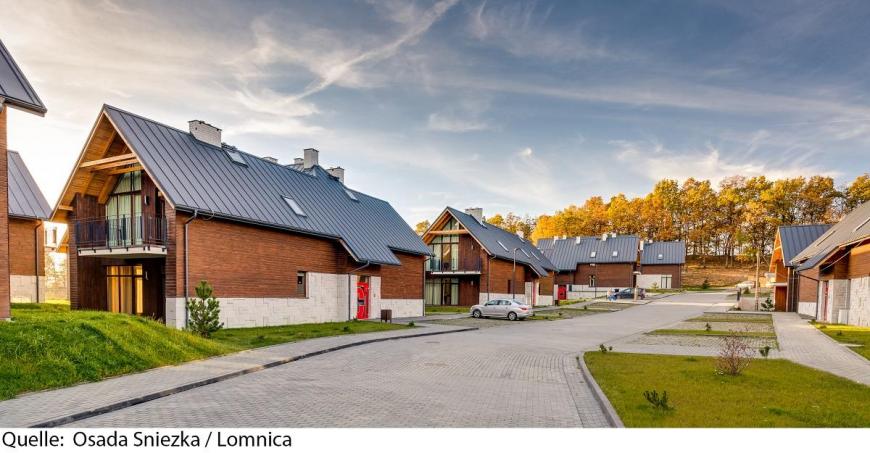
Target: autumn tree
[[858, 192], [421, 227]]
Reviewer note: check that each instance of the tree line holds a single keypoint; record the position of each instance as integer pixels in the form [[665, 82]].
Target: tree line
[[739, 216]]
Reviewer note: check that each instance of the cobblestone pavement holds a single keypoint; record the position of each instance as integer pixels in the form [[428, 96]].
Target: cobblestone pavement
[[521, 374], [800, 342], [39, 407]]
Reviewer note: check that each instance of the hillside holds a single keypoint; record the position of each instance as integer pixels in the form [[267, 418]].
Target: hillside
[[717, 274]]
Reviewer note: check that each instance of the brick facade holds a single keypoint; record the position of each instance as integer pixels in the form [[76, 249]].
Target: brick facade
[[26, 249], [4, 219], [608, 275], [674, 270]]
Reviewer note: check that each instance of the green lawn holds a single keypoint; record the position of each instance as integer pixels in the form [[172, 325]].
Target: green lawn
[[561, 313], [712, 333], [256, 337], [770, 393], [442, 309], [49, 346], [731, 317], [849, 335]]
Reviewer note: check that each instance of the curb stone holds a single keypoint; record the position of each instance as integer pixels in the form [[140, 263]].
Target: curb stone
[[60, 421], [600, 397]]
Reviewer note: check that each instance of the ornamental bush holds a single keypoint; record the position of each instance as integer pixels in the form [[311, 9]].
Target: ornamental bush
[[203, 311]]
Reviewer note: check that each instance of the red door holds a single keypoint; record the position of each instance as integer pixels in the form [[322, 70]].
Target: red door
[[362, 300], [563, 292]]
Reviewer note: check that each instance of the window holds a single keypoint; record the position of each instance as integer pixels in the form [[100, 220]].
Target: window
[[124, 211], [592, 254], [351, 195], [615, 253], [442, 291], [660, 256], [502, 246], [592, 281], [294, 206], [236, 156], [446, 251], [301, 284]]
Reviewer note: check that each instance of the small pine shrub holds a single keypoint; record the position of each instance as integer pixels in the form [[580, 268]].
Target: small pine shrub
[[765, 351], [602, 348], [705, 284], [411, 324], [659, 402], [708, 327], [345, 329], [203, 311]]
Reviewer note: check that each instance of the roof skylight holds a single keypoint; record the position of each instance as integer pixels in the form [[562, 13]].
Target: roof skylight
[[615, 253], [351, 195], [525, 253], [294, 206], [236, 156], [592, 254], [861, 224], [502, 246], [660, 256]]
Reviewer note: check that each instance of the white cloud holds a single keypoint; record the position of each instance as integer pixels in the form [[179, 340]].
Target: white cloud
[[445, 123]]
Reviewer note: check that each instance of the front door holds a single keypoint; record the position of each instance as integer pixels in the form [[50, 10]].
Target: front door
[[362, 299], [563, 292]]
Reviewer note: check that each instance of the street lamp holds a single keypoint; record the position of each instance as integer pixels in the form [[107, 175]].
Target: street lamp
[[514, 275]]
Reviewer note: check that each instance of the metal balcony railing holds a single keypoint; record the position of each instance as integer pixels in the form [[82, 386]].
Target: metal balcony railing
[[459, 266], [120, 232]]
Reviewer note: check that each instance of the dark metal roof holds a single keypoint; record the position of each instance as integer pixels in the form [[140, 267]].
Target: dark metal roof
[[195, 175], [567, 253], [671, 252], [492, 238], [853, 227], [25, 198], [15, 90], [794, 238]]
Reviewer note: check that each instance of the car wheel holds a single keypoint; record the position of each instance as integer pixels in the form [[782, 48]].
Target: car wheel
[[476, 314], [512, 316]]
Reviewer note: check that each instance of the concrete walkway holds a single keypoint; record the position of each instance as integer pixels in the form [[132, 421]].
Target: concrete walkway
[[54, 407], [801, 342]]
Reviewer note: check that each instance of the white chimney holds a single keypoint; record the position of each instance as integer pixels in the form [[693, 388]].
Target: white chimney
[[641, 246], [310, 158], [521, 234], [205, 132], [298, 161], [604, 237], [477, 213], [337, 172], [613, 235], [271, 159]]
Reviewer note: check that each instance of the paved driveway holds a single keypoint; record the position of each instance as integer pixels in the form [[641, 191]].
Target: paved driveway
[[521, 374]]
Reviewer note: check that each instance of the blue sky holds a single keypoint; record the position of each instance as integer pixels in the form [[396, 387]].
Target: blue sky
[[522, 106]]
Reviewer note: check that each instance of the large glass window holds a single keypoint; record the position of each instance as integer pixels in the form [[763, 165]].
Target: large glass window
[[442, 291], [445, 249], [124, 289], [124, 211]]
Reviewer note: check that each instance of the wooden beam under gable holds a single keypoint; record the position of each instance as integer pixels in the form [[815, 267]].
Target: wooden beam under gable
[[116, 164], [107, 160]]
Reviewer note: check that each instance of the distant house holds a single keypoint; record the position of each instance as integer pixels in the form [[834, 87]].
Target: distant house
[[661, 264], [152, 210], [841, 259], [792, 289], [15, 92], [27, 212], [589, 266], [474, 261]]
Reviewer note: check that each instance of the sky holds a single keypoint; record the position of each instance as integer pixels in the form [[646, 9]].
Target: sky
[[521, 106]]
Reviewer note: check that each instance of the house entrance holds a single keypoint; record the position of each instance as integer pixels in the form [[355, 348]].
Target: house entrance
[[362, 298]]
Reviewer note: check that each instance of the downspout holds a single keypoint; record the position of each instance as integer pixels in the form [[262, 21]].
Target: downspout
[[36, 256], [186, 264], [349, 291], [488, 281]]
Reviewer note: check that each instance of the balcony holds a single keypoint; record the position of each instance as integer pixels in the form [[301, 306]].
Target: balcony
[[139, 236], [461, 267]]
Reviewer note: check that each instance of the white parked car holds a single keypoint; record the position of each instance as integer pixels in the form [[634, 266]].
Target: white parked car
[[502, 308]]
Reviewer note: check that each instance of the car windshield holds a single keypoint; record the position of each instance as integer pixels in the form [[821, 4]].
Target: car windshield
[[516, 302]]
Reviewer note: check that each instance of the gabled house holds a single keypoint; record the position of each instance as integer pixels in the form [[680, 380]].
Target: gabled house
[[474, 261], [841, 259], [152, 210], [15, 92], [661, 264], [28, 211], [588, 266], [793, 290]]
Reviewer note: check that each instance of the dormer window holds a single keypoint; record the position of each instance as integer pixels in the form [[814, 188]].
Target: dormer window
[[236, 156]]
